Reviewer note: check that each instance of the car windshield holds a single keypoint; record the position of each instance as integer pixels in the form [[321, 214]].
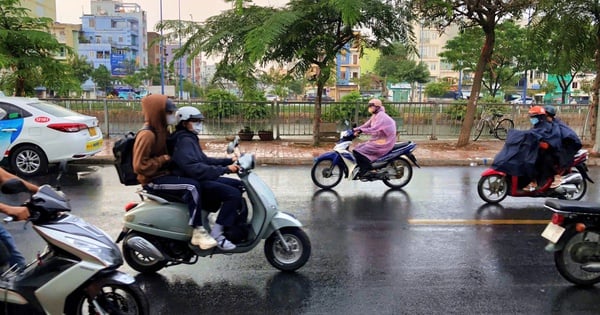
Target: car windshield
[[53, 109]]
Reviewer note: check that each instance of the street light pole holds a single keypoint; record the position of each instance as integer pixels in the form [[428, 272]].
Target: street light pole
[[180, 59], [193, 65], [162, 55]]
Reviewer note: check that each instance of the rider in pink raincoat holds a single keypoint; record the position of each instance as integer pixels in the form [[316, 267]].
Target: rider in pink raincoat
[[382, 129]]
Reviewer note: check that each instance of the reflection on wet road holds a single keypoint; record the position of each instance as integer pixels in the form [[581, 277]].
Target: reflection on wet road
[[432, 248]]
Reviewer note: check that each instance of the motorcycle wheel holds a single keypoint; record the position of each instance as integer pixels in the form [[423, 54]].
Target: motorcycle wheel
[[492, 188], [114, 298], [581, 189], [399, 173], [568, 263], [139, 261], [325, 174], [288, 260]]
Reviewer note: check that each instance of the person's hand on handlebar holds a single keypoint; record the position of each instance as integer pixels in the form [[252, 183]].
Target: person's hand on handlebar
[[233, 168], [357, 132], [19, 213]]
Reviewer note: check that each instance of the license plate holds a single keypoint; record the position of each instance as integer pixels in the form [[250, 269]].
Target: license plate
[[93, 145], [553, 232], [92, 131]]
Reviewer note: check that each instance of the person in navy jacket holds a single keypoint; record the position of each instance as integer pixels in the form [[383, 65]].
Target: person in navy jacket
[[188, 160]]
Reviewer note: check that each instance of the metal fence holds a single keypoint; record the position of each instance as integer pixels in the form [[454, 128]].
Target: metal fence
[[434, 120]]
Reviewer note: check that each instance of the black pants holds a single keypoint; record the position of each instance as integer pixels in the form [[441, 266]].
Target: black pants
[[363, 162], [228, 193]]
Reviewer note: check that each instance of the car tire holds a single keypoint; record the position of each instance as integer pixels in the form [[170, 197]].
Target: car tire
[[28, 160]]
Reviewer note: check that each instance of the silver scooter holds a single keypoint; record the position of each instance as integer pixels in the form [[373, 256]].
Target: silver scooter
[[76, 273], [156, 232]]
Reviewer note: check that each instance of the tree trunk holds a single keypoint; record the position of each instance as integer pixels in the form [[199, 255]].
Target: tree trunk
[[20, 87], [484, 58], [317, 117], [595, 103]]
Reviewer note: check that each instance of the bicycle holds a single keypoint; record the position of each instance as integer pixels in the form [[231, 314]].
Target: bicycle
[[496, 126]]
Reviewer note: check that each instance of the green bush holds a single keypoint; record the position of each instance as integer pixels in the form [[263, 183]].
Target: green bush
[[221, 104]]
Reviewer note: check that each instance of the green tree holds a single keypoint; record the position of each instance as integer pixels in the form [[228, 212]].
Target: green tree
[[27, 49], [437, 89], [581, 10], [309, 34], [80, 68], [395, 65], [463, 52], [102, 77], [483, 14], [566, 46]]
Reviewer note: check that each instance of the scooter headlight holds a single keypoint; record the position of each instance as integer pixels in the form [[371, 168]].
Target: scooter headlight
[[107, 255]]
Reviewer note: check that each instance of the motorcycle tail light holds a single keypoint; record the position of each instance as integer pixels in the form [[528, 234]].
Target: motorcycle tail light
[[130, 206], [579, 227], [558, 219]]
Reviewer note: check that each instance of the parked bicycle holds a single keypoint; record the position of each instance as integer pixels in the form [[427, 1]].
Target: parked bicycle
[[495, 125]]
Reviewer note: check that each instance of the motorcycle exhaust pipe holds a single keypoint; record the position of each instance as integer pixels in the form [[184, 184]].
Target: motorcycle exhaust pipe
[[591, 267], [573, 178], [144, 247], [566, 189]]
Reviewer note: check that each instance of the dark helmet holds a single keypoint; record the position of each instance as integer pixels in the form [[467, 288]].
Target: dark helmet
[[536, 111], [550, 110]]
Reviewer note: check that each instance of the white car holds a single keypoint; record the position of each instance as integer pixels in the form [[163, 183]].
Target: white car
[[35, 133], [528, 101]]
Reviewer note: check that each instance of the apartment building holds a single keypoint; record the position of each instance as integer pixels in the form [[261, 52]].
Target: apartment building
[[114, 35]]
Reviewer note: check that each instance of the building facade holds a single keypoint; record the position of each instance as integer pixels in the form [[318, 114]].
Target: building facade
[[114, 35]]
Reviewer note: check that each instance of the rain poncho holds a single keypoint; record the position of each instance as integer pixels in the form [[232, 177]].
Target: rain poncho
[[382, 129], [521, 150]]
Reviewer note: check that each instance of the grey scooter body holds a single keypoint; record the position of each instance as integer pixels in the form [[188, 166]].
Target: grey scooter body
[[78, 256], [158, 229]]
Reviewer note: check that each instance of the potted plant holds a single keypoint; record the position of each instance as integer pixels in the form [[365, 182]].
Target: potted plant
[[265, 135], [246, 133]]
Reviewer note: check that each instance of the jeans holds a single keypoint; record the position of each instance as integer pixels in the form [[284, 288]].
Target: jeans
[[15, 256]]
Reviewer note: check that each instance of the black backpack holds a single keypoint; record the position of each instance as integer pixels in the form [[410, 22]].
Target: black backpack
[[123, 152]]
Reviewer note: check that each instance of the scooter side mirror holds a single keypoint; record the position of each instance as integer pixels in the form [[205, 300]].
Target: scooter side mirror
[[13, 186]]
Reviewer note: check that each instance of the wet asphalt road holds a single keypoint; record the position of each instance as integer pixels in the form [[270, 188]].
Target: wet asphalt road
[[421, 250]]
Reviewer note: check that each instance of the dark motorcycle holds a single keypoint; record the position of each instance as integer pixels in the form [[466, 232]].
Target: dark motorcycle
[[574, 238], [393, 168]]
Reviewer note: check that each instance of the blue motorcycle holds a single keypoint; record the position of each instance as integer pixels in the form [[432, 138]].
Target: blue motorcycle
[[394, 168]]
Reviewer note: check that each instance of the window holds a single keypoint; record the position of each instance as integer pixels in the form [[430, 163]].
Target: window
[[13, 112], [575, 85], [354, 59], [354, 75]]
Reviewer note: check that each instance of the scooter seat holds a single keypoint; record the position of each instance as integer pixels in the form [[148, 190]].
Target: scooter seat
[[399, 145], [573, 206], [168, 196]]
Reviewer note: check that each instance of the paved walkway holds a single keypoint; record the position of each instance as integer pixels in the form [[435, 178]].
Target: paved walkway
[[299, 151]]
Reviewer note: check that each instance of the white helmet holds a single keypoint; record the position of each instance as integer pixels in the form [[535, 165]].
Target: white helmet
[[188, 112]]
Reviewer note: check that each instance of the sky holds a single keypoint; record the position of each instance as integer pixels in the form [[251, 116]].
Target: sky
[[70, 11]]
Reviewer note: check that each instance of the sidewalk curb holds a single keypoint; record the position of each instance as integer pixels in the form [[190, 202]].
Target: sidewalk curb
[[291, 161]]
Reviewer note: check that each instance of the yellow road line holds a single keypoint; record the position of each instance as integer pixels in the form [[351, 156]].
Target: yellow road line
[[474, 222]]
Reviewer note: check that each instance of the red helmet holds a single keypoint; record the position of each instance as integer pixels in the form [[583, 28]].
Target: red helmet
[[537, 110]]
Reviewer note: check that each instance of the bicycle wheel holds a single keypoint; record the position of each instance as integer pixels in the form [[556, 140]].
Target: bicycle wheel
[[502, 128], [478, 129]]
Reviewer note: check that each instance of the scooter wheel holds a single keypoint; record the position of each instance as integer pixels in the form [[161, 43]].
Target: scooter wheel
[[113, 297], [325, 174], [138, 261], [298, 249], [575, 253], [492, 188]]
